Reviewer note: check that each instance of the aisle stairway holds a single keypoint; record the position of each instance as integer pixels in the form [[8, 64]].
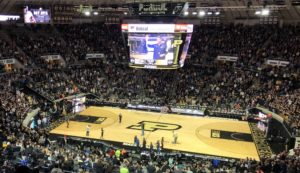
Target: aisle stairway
[[262, 146]]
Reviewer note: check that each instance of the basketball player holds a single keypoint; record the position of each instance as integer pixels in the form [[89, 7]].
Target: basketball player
[[88, 128], [102, 133], [120, 118]]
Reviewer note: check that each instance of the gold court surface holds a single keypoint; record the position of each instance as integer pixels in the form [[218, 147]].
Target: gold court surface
[[194, 133]]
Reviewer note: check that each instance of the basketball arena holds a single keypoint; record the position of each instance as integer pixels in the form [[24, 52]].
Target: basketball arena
[[137, 86]]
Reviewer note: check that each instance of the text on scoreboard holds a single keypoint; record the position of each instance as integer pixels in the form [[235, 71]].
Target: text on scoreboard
[[157, 28]]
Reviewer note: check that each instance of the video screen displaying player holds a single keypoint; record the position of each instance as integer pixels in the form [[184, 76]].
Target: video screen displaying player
[[36, 15], [155, 49], [28, 16]]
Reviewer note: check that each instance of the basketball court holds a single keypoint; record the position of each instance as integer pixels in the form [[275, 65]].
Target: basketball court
[[198, 135]]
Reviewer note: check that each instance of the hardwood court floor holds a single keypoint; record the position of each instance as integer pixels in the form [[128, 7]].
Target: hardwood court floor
[[194, 134]]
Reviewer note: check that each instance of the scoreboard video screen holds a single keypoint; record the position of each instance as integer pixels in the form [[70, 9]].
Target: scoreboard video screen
[[38, 16], [157, 46]]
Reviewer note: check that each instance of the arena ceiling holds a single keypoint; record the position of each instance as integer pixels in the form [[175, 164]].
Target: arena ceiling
[[284, 9]]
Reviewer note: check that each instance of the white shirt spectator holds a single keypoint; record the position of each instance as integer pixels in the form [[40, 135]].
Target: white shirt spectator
[[39, 122], [45, 120]]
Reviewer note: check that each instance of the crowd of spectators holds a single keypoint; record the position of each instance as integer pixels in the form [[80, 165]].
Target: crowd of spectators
[[221, 85], [233, 40], [10, 51], [51, 84], [202, 81], [284, 45], [41, 45], [37, 41], [252, 44], [249, 43]]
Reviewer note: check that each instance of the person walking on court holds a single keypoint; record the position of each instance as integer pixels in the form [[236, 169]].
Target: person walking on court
[[88, 128], [143, 128], [120, 118], [102, 133]]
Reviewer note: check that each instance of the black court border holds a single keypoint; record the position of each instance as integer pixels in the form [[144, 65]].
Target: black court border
[[131, 147]]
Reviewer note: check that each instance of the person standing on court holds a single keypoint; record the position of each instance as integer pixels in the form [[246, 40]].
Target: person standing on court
[[88, 128], [65, 114], [158, 147], [144, 144], [138, 144], [120, 118], [143, 128], [162, 142], [102, 133], [175, 137], [135, 140], [151, 147]]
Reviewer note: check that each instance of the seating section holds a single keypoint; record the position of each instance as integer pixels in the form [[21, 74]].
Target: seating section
[[9, 51], [51, 84]]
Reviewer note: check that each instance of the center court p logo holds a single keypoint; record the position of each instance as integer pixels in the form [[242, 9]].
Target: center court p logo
[[153, 126]]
